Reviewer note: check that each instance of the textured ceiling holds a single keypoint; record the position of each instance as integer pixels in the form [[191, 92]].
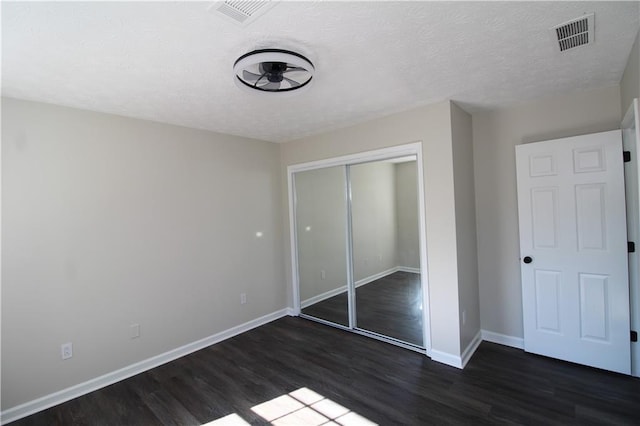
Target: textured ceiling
[[172, 62]]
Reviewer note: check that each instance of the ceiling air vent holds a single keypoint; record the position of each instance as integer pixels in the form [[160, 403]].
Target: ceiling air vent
[[574, 33], [242, 12]]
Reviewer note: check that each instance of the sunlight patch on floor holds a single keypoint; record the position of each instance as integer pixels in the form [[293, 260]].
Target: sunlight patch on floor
[[306, 407], [230, 420], [302, 407]]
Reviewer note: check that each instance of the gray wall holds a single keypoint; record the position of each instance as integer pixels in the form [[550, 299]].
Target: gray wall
[[321, 226], [495, 135], [109, 221], [432, 126], [466, 242], [374, 221], [408, 242], [630, 83]]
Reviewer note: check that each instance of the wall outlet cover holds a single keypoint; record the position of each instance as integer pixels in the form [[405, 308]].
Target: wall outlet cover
[[66, 350]]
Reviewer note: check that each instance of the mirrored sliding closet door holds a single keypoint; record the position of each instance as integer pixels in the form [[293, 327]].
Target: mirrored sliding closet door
[[386, 252], [321, 229], [357, 248]]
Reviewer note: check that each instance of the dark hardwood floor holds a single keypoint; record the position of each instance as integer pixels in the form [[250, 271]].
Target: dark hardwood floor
[[391, 306], [369, 379]]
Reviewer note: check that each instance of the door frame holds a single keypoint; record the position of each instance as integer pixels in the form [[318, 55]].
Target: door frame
[[414, 148], [631, 122]]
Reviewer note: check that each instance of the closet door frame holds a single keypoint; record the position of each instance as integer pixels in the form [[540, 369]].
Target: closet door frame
[[414, 148]]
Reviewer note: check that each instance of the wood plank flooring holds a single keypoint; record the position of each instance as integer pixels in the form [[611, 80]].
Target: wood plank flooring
[[391, 306], [370, 379]]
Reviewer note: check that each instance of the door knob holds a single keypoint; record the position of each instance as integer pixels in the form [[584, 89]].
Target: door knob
[[527, 259]]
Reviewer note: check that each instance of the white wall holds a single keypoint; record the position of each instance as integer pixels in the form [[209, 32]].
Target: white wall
[[408, 244], [431, 125], [630, 83], [495, 134], [109, 221], [466, 242], [321, 221], [373, 217]]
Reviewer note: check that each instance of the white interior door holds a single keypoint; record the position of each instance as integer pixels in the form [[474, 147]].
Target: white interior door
[[573, 248]]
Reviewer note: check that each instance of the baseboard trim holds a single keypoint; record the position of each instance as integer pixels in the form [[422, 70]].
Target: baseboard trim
[[91, 385], [377, 276], [503, 339], [331, 293], [446, 358], [455, 360], [323, 296], [409, 269], [471, 348]]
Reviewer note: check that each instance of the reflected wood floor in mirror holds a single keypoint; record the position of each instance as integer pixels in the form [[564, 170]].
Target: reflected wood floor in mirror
[[335, 309], [314, 374], [391, 306]]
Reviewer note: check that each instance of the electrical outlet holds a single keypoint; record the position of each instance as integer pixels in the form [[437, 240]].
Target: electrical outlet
[[464, 317], [243, 298], [323, 275], [134, 330], [66, 350]]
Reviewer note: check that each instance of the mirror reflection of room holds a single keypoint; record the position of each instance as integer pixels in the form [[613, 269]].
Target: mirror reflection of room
[[321, 229], [386, 254]]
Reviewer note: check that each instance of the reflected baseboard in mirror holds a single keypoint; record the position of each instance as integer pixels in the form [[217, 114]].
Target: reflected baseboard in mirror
[[334, 309], [390, 306]]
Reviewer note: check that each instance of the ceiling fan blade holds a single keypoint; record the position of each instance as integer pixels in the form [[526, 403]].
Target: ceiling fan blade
[[250, 77], [293, 83], [292, 69], [272, 85]]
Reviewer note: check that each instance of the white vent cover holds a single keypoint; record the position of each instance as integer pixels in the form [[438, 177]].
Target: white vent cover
[[574, 33], [242, 12]]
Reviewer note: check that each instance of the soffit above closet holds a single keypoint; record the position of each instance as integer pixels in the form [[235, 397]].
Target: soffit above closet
[[172, 61]]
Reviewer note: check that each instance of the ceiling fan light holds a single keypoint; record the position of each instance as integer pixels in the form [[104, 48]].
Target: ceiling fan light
[[265, 71]]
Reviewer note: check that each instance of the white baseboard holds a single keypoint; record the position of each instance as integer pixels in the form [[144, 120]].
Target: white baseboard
[[455, 360], [471, 348], [377, 276], [67, 394], [503, 339], [331, 293], [446, 358], [409, 269], [323, 296]]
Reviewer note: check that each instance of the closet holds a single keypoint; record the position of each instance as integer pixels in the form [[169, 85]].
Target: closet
[[358, 246]]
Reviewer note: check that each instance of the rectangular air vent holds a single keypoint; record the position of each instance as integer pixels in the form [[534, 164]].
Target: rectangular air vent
[[574, 33], [242, 12]]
